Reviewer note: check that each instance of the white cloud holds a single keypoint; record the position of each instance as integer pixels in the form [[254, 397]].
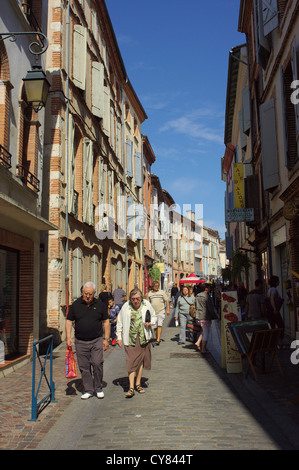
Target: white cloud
[[204, 124], [221, 228], [198, 130]]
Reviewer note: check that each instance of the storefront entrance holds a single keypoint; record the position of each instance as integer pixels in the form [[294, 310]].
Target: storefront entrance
[[9, 263]]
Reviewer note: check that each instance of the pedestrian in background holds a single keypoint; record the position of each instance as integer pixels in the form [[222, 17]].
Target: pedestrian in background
[[205, 313], [113, 311], [255, 302], [91, 321], [173, 293], [105, 295], [158, 299], [273, 305], [135, 331], [119, 296], [182, 312]]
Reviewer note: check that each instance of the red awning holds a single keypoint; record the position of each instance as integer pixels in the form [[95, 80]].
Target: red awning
[[191, 279]]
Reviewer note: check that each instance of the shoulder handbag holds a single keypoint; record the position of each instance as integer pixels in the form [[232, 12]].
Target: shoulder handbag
[[191, 309], [148, 317]]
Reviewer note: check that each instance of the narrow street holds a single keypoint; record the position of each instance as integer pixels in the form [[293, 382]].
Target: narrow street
[[190, 404]]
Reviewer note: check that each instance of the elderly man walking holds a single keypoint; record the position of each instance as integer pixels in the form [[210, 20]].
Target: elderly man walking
[[91, 320]]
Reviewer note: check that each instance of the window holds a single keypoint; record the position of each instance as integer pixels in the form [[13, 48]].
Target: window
[[77, 274], [88, 213], [71, 168], [118, 272], [27, 167], [9, 300], [129, 166], [94, 269]]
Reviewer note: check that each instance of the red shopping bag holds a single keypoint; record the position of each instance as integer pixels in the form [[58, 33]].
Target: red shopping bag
[[70, 364]]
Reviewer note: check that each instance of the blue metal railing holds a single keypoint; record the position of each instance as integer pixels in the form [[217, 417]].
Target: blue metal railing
[[50, 396]]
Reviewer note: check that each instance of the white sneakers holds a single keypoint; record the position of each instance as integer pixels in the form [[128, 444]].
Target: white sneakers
[[87, 395]]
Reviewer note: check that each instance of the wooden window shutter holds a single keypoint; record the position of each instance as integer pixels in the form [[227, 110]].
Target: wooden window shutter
[[71, 166], [121, 212], [183, 250], [97, 78], [175, 248], [94, 24], [138, 179], [118, 141], [284, 115], [79, 56], [294, 64], [270, 16], [129, 167], [88, 181], [111, 188], [112, 128], [130, 216], [76, 274], [139, 220], [243, 136], [262, 42], [269, 145], [106, 110], [105, 183], [246, 110], [94, 269]]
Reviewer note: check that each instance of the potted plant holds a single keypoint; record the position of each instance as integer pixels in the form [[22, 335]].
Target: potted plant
[[154, 273], [240, 263]]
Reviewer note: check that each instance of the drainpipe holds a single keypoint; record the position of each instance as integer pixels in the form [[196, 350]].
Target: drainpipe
[[124, 180], [67, 162]]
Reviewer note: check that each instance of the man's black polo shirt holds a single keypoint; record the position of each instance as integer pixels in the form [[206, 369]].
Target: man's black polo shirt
[[88, 318]]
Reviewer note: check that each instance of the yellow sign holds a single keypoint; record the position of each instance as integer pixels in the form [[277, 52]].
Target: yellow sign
[[239, 186], [160, 266], [231, 358]]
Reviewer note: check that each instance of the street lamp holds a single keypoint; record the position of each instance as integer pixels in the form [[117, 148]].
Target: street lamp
[[35, 83], [36, 88]]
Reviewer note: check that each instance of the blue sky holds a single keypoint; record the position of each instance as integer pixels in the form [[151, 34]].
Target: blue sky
[[176, 57]]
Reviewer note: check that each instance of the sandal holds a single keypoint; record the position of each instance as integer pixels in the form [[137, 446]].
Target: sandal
[[130, 393], [139, 389]]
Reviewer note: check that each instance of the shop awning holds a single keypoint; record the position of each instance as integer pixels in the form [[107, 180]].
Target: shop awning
[[12, 210]]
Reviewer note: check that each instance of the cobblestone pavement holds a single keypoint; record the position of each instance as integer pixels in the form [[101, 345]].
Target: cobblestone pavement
[[190, 403]]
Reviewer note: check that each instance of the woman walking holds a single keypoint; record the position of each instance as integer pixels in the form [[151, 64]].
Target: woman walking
[[273, 305], [182, 312], [134, 330], [205, 313]]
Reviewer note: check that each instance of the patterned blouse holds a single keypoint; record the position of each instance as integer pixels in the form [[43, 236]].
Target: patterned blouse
[[136, 327]]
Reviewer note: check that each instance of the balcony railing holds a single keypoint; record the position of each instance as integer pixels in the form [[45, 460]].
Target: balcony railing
[[28, 178], [5, 157]]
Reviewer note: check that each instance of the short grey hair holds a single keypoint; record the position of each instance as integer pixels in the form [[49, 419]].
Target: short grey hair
[[90, 284], [134, 292]]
